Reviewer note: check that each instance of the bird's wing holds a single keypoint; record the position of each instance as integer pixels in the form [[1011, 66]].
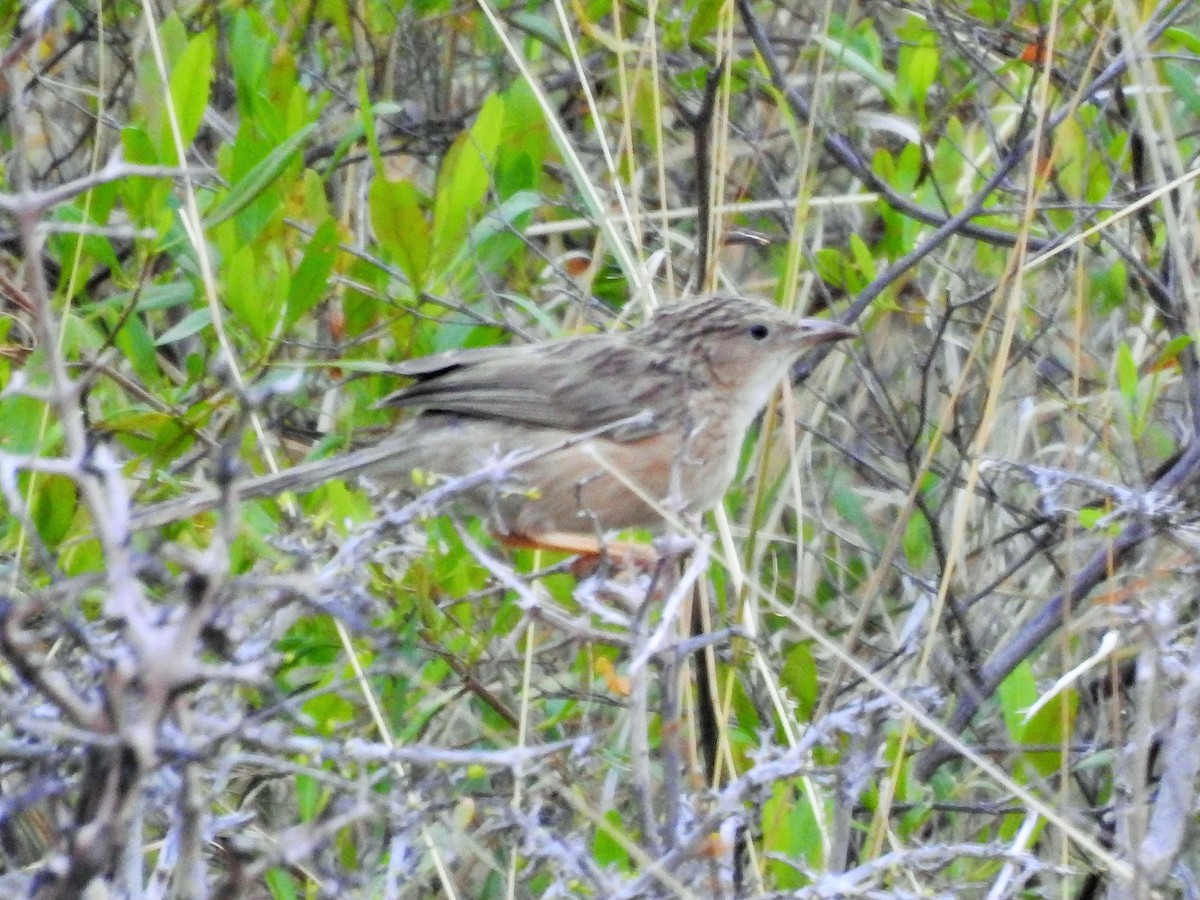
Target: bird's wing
[[573, 385]]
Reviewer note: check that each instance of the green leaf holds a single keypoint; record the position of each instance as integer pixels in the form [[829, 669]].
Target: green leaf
[[94, 245], [1050, 726], [1127, 373], [191, 78], [1017, 693], [23, 422], [908, 168], [1189, 41], [154, 96], [400, 226], [831, 266], [799, 676], [195, 321], [1183, 83], [308, 796], [540, 27], [250, 58], [251, 293], [137, 346], [515, 173], [918, 541], [1071, 145], [863, 260], [922, 72], [606, 849], [545, 320], [705, 15], [258, 179], [789, 830], [852, 59], [1171, 352], [281, 884], [164, 296], [54, 507], [329, 712], [503, 220], [145, 198], [312, 275], [464, 180], [240, 287], [524, 142]]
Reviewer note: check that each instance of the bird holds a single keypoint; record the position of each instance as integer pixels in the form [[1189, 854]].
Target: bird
[[607, 431]]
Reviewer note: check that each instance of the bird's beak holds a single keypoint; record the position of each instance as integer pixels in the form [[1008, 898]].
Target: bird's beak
[[820, 331]]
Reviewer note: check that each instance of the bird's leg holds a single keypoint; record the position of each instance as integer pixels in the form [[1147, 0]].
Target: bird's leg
[[591, 550]]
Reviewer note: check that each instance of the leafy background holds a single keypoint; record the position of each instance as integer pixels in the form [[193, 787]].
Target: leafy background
[[950, 614]]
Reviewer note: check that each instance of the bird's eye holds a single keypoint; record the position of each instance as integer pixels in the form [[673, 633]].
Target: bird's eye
[[759, 332]]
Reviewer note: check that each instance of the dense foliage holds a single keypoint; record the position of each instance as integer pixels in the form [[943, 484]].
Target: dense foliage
[[943, 639]]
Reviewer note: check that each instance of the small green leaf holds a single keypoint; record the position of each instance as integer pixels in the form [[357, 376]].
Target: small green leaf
[[312, 275], [281, 884], [165, 296], [505, 219], [831, 266], [918, 541], [143, 197], [1050, 726], [1072, 155], [249, 57], [136, 344], [195, 321], [400, 226], [255, 290], [23, 423], [705, 15], [908, 168], [1017, 693], [258, 179], [464, 180], [852, 59], [540, 27], [799, 676], [328, 712], [1127, 373], [789, 832], [54, 507], [606, 849], [308, 796], [241, 291], [1189, 41], [922, 72], [515, 172], [1171, 352], [1183, 84], [864, 262], [191, 78]]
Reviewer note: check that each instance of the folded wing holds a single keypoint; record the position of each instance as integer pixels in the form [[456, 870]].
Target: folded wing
[[543, 385]]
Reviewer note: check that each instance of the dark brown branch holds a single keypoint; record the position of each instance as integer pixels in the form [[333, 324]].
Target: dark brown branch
[[1050, 617]]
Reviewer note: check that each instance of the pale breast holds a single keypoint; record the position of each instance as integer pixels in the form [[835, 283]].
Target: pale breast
[[591, 488], [602, 486]]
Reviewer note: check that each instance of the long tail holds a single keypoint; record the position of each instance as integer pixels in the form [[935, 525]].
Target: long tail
[[303, 477], [393, 459]]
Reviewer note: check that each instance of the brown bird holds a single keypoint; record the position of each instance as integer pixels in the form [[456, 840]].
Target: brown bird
[[613, 431]]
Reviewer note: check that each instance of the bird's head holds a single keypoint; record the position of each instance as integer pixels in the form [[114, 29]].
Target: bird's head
[[744, 345]]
